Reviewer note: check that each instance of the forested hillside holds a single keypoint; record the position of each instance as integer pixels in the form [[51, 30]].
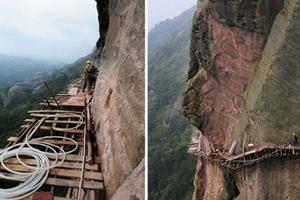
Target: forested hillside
[[24, 97], [171, 169]]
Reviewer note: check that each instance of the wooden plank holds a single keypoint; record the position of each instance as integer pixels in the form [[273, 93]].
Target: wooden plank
[[16, 167], [66, 164], [97, 159], [73, 165], [90, 153], [42, 196], [74, 158], [46, 104], [52, 116], [61, 198], [54, 111], [55, 121], [73, 91], [75, 184], [77, 174], [12, 139], [52, 141], [62, 142], [48, 128], [70, 157], [94, 185], [50, 100], [63, 105]]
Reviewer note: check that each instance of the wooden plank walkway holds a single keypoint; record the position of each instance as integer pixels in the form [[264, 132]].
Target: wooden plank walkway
[[248, 158], [67, 176]]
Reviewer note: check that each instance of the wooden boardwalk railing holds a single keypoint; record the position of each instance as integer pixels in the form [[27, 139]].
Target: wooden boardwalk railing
[[251, 157]]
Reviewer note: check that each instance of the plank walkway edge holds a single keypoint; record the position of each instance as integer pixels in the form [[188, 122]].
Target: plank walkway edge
[[93, 185], [66, 164], [75, 184], [48, 128]]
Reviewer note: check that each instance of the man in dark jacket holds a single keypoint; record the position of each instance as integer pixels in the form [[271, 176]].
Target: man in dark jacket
[[90, 77]]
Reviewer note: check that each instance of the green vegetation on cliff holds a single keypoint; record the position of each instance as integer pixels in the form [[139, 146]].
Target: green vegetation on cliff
[[171, 169]]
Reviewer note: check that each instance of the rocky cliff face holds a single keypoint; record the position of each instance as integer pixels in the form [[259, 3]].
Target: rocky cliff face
[[243, 86], [118, 105]]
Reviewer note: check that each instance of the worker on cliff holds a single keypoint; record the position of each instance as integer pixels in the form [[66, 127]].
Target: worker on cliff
[[90, 76], [294, 140]]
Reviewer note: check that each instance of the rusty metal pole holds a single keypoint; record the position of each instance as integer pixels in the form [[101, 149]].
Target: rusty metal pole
[[51, 93]]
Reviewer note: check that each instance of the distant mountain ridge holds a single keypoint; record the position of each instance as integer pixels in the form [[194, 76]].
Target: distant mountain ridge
[[171, 169], [163, 31], [9, 58], [16, 69]]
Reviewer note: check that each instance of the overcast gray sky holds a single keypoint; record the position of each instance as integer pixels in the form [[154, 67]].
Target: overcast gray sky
[[62, 30], [160, 10]]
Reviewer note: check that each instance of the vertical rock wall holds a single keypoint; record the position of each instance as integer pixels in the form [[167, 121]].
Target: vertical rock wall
[[118, 105], [272, 105], [272, 111], [243, 85], [228, 38]]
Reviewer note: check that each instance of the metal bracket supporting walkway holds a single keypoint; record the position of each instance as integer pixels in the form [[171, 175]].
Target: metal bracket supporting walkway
[[251, 157], [79, 176]]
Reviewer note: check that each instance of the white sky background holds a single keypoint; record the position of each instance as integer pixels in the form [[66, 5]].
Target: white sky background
[[160, 10], [60, 30]]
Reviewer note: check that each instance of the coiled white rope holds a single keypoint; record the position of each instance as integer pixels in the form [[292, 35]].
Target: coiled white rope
[[37, 175]]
